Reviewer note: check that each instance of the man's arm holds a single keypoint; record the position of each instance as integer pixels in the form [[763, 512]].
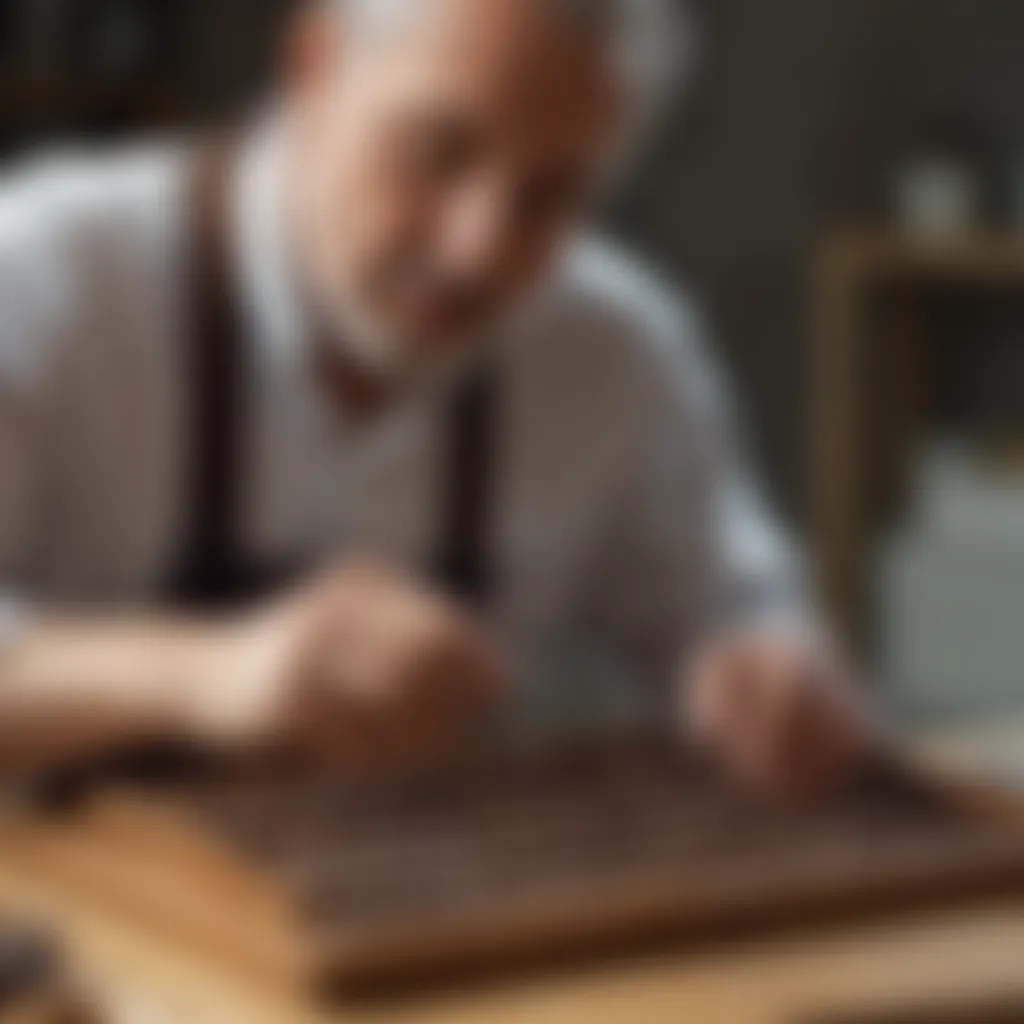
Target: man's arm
[[67, 685], [362, 665], [695, 549], [710, 582], [73, 687]]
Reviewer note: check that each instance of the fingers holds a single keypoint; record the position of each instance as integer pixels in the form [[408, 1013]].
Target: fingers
[[391, 670], [780, 713]]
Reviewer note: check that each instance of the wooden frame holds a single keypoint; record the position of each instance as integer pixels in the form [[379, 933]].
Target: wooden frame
[[849, 269], [150, 857]]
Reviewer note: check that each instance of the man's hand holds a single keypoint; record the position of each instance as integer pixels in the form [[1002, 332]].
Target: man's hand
[[780, 708], [363, 666]]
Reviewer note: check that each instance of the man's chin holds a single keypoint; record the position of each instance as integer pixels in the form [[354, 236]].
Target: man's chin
[[436, 362], [411, 351], [431, 347]]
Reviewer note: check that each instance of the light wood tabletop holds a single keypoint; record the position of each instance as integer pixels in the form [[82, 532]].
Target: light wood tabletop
[[957, 956]]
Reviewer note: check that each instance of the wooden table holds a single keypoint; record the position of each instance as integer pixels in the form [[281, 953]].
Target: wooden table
[[958, 955]]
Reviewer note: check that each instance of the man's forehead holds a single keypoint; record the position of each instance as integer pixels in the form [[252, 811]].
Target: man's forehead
[[593, 14], [501, 57], [630, 44], [506, 40]]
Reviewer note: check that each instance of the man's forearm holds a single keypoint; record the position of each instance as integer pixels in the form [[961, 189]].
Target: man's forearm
[[358, 662], [71, 687]]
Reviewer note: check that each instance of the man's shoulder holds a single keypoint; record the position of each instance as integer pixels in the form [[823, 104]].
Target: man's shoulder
[[613, 347], [609, 299], [60, 199], [77, 231]]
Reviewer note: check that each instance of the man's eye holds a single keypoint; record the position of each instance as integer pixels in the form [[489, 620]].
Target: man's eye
[[440, 157], [551, 201]]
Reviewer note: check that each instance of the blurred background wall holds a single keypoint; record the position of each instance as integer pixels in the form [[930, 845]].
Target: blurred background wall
[[798, 115]]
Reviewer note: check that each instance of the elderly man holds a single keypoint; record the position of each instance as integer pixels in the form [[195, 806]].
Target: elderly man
[[341, 430]]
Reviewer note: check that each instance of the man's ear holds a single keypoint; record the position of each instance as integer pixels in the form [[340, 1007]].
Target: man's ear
[[312, 47]]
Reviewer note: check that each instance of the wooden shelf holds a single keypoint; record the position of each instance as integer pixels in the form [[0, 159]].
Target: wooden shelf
[[27, 96], [873, 254], [849, 267]]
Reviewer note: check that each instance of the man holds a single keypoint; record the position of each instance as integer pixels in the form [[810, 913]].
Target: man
[[370, 335]]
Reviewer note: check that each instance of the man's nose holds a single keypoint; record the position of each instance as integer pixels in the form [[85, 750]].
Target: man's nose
[[478, 230]]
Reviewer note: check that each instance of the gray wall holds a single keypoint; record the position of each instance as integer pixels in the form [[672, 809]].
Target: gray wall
[[799, 109]]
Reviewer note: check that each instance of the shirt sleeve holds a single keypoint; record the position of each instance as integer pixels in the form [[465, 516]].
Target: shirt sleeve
[[30, 309], [694, 549], [19, 511]]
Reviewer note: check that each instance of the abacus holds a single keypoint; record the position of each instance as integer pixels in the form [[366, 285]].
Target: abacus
[[316, 880]]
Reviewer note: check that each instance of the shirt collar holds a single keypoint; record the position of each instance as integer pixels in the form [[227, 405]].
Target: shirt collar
[[268, 290]]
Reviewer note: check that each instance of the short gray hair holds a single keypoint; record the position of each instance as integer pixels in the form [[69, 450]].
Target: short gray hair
[[654, 39]]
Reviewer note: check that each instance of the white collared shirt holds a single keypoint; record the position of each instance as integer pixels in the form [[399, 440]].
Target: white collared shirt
[[624, 525]]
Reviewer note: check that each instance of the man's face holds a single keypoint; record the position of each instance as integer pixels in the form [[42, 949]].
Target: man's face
[[444, 157]]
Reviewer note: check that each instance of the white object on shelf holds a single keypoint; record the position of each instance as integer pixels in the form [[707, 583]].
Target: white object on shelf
[[938, 199], [950, 591]]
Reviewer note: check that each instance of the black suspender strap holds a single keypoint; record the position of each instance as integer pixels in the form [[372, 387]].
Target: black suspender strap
[[468, 476], [207, 570]]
